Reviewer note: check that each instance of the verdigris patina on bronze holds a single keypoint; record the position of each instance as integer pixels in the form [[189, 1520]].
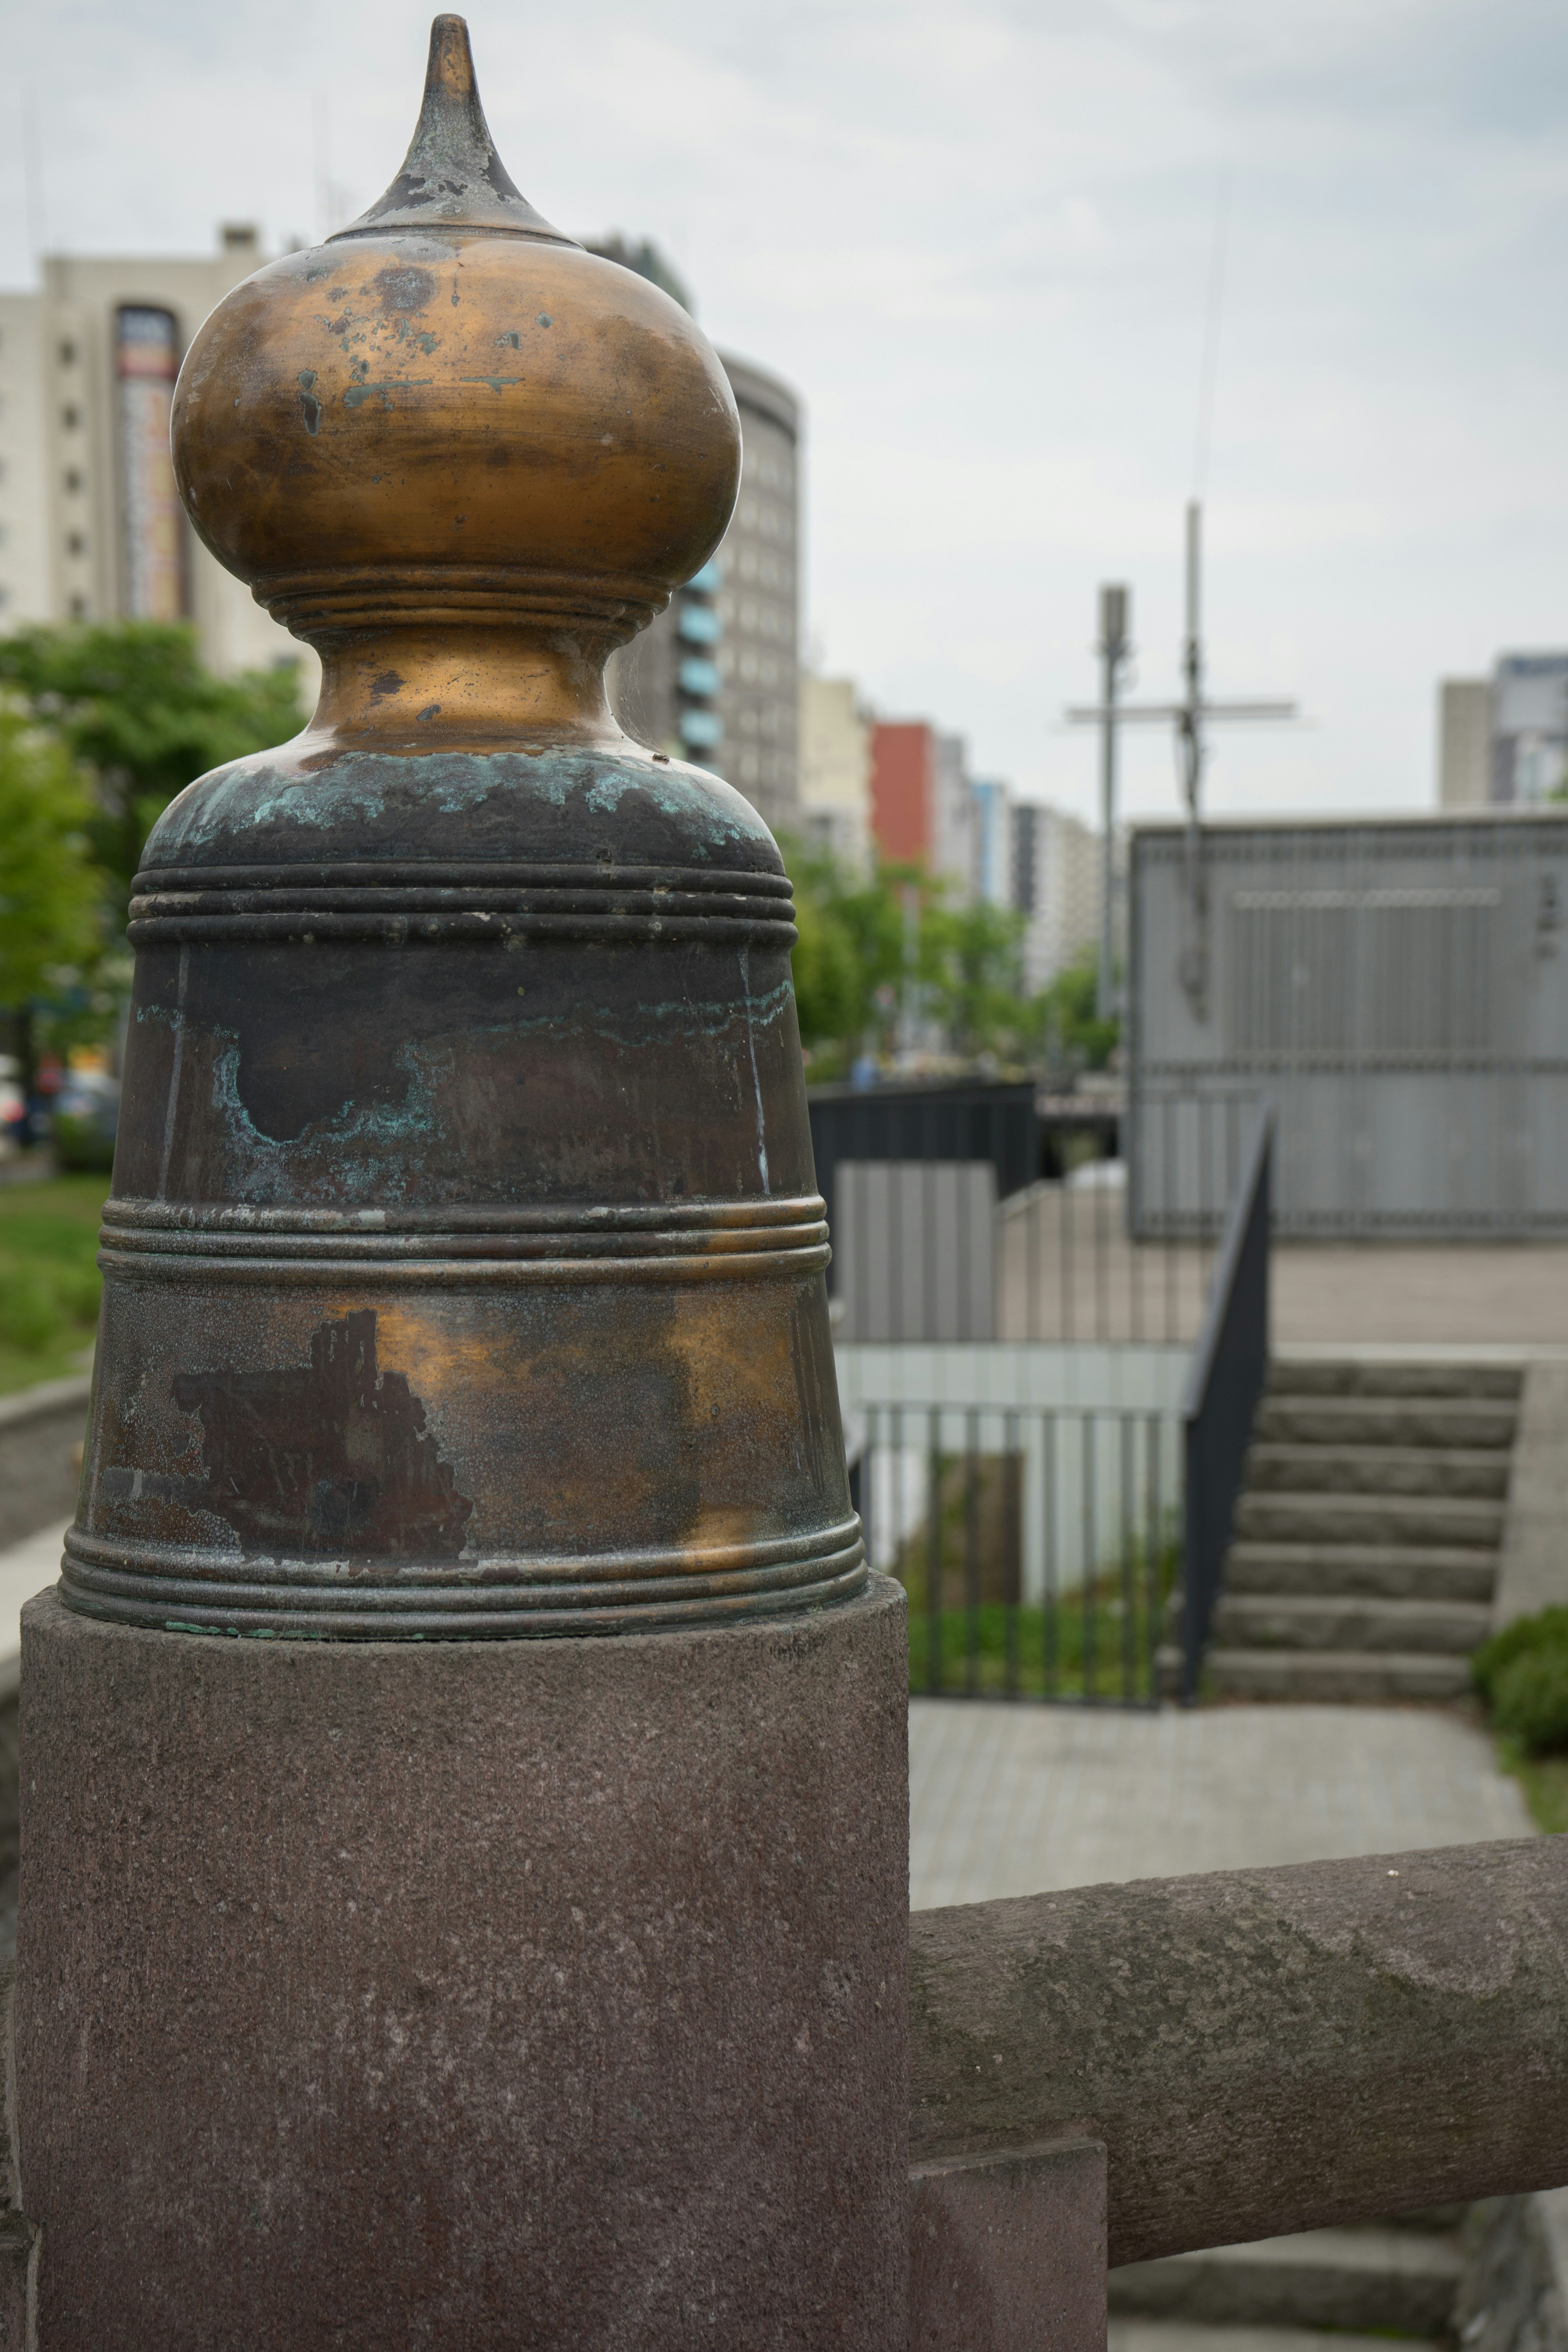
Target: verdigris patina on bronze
[[465, 1269]]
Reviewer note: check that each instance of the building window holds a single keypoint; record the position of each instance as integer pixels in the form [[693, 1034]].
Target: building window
[[70, 418], [68, 355], [73, 480], [78, 608], [75, 543]]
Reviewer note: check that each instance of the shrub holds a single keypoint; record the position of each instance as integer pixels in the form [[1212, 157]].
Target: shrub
[[1523, 1673]]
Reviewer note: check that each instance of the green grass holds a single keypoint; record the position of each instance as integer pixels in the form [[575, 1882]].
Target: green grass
[[1086, 1658], [49, 1283], [1095, 1644], [1543, 1781]]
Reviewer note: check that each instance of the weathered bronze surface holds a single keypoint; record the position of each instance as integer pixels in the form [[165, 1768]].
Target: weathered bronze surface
[[465, 1269]]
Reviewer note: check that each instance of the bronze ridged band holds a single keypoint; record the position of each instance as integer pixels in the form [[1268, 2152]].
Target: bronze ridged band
[[311, 927], [394, 904], [601, 880], [723, 1242], [195, 1590], [613, 605]]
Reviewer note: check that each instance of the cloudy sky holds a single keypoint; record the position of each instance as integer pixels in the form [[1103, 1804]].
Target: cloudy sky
[[979, 237]]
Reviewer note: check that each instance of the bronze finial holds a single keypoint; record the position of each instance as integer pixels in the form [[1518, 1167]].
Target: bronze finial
[[465, 1264]]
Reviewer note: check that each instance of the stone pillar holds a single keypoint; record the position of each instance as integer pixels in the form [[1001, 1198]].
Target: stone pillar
[[466, 1994]]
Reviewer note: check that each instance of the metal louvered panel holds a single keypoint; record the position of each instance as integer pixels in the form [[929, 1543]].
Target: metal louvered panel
[[1397, 987]]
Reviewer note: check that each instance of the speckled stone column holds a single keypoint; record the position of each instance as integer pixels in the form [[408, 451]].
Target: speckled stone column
[[488, 1994]]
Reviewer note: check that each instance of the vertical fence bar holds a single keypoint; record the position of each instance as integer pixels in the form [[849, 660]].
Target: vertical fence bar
[[1227, 1375], [1167, 1228], [1012, 1551], [1050, 1626], [1064, 1229], [1153, 1551], [1089, 1599], [868, 1517], [971, 1552], [933, 1550], [1127, 1518]]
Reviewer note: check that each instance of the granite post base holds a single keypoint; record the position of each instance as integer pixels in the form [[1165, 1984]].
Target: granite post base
[[492, 1994]]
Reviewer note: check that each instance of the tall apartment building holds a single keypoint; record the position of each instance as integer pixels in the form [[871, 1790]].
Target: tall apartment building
[[992, 878], [1056, 887], [716, 678], [922, 806], [1503, 741], [836, 770], [92, 528]]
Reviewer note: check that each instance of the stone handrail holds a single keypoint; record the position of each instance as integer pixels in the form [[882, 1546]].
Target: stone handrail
[[1262, 2051]]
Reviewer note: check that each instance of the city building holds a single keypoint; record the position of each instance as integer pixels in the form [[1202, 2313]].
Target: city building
[[836, 770], [92, 528], [1503, 740], [992, 878], [716, 677], [1056, 887], [922, 804]]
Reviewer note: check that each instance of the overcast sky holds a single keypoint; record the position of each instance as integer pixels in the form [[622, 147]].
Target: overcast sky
[[979, 238]]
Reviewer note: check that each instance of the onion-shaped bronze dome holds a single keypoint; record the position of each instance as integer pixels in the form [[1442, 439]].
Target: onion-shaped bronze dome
[[465, 1271]]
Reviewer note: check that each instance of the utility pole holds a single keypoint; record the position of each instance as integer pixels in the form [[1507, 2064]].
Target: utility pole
[[1113, 610], [1190, 718]]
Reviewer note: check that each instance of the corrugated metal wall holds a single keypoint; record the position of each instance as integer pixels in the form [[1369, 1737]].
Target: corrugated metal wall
[[1398, 988]]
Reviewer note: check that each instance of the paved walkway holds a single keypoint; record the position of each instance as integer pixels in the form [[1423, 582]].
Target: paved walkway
[[1020, 1799], [1067, 1270], [26, 1568]]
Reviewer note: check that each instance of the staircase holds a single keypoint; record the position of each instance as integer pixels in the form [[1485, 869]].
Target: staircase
[[1366, 1537], [1326, 2290]]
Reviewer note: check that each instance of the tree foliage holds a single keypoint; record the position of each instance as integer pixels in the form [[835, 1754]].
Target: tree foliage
[[867, 946], [131, 702], [49, 891]]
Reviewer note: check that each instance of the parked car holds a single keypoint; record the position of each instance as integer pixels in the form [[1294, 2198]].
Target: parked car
[[85, 1115]]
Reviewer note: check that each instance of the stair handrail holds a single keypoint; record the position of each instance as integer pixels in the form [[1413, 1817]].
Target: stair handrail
[[1225, 1377]]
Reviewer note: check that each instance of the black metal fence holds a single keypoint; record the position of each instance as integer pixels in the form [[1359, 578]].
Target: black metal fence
[[1047, 1548], [1039, 1547], [1229, 1371], [1085, 1246], [932, 1121]]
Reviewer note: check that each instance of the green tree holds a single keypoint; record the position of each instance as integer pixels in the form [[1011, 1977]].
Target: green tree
[[50, 892], [976, 988], [848, 959], [1065, 1026], [131, 702]]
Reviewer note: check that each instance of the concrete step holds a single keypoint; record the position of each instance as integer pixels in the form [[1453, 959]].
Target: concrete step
[[1336, 1674], [1385, 1421], [1195, 2335], [1365, 2280], [1378, 1470], [1325, 1376], [1453, 1523], [1291, 1622], [1388, 1571]]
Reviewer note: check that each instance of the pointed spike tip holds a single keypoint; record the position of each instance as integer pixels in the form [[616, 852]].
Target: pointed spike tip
[[450, 72], [452, 177]]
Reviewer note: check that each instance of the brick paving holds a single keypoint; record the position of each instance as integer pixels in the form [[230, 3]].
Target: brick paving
[[1021, 1799]]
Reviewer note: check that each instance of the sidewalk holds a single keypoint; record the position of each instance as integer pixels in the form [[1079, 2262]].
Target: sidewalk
[[1021, 1799]]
